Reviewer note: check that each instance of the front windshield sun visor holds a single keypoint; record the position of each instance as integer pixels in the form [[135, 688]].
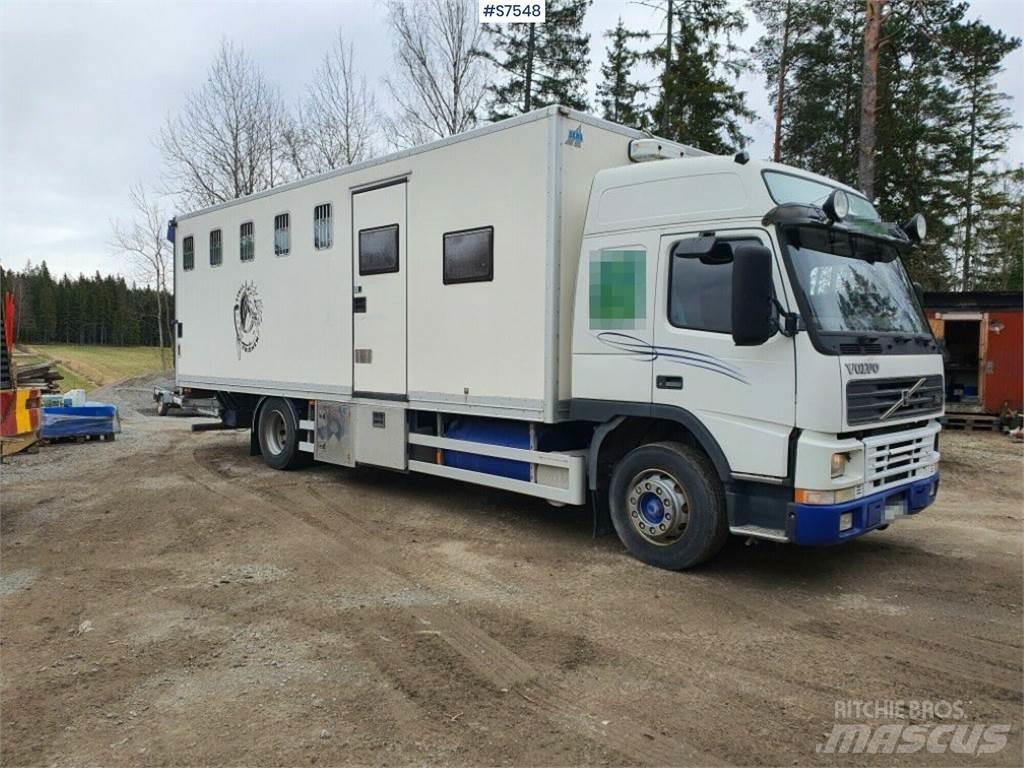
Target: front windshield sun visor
[[790, 214]]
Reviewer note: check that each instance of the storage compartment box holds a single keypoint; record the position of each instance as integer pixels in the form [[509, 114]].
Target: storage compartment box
[[88, 420]]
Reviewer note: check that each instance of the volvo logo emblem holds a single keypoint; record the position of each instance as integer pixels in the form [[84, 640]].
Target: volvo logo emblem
[[904, 400], [248, 314], [862, 368]]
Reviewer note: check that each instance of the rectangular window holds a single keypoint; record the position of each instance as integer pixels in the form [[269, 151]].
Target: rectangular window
[[469, 256], [188, 254], [700, 295], [323, 234], [378, 250], [216, 254], [246, 244], [282, 235]]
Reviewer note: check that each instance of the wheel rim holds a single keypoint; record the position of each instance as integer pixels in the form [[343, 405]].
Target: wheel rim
[[275, 432], [658, 506]]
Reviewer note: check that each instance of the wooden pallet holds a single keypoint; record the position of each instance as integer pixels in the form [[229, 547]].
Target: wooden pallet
[[971, 422], [104, 437]]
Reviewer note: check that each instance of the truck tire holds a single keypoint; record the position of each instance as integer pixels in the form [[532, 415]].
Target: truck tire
[[161, 408], [667, 506], [278, 433]]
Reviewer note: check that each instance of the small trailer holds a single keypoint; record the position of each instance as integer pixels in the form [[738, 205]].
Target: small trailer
[[203, 403], [566, 308]]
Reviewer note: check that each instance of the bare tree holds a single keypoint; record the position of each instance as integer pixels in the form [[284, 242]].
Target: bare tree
[[228, 141], [339, 116], [438, 84], [150, 257]]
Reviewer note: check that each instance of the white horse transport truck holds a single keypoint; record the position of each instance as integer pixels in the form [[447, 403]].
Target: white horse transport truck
[[571, 309]]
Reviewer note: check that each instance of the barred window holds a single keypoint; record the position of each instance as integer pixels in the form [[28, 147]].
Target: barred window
[[216, 254], [246, 244], [282, 235], [323, 233], [188, 254]]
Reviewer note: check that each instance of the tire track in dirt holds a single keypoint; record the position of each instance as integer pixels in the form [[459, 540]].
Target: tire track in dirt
[[484, 655]]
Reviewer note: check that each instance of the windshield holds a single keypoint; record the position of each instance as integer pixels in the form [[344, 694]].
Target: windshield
[[787, 188], [853, 284]]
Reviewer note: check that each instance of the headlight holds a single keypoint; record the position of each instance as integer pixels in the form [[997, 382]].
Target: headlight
[[839, 464], [837, 206]]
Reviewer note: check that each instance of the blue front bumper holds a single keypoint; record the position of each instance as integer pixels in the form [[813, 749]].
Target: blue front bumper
[[818, 524]]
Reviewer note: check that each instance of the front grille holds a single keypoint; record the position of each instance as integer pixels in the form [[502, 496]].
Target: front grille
[[896, 459], [868, 400]]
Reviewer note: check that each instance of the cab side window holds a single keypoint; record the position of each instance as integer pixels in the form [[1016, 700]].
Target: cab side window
[[700, 285]]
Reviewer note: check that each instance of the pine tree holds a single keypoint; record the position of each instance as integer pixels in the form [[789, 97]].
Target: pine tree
[[999, 255], [620, 96], [699, 103], [813, 73], [916, 145], [976, 57], [540, 64]]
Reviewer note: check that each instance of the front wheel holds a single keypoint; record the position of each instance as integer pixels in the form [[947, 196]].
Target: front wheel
[[667, 506]]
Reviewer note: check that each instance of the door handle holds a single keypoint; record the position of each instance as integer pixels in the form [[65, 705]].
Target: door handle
[[358, 303], [668, 382]]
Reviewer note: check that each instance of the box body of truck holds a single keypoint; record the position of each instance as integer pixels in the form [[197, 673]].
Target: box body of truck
[[490, 338]]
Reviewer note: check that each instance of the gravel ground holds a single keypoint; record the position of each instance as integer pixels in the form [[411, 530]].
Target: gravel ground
[[168, 600]]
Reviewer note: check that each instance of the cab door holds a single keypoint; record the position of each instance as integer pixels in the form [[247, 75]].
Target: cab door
[[744, 396], [379, 287]]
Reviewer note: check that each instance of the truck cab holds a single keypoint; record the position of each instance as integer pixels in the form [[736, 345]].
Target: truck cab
[[757, 357]]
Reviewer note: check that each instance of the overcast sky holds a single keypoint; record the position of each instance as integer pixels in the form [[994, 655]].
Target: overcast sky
[[85, 86]]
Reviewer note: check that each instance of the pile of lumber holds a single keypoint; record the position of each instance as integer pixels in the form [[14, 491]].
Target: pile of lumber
[[42, 376]]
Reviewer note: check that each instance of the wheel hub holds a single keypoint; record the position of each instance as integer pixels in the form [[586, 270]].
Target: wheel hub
[[658, 506], [275, 432]]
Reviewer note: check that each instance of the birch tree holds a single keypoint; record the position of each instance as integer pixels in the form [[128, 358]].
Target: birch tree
[[150, 258], [438, 80], [228, 140], [340, 115]]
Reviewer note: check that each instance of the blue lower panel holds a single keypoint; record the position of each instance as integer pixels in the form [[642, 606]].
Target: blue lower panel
[[818, 524]]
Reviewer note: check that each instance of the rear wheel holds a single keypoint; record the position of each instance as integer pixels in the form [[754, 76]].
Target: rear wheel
[[667, 506], [278, 432]]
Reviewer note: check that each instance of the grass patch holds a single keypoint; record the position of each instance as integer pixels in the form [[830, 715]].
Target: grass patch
[[88, 367]]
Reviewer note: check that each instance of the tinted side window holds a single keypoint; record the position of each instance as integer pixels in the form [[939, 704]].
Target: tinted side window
[[469, 256], [378, 250], [700, 295]]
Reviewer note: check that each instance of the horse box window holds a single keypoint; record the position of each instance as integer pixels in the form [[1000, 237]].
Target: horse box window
[[469, 256], [378, 250], [188, 254]]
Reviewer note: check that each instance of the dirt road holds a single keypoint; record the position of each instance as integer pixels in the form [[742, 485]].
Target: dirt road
[[169, 600]]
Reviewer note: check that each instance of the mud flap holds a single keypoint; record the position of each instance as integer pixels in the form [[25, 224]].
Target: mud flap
[[602, 514]]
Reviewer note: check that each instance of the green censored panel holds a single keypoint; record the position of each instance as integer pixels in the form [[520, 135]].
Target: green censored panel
[[618, 289]]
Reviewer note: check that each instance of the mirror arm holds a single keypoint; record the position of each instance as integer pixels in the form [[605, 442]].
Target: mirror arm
[[790, 324]]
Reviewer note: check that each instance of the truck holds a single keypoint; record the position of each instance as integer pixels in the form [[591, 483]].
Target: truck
[[698, 346]]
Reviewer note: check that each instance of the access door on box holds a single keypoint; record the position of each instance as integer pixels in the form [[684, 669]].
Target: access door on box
[[379, 288]]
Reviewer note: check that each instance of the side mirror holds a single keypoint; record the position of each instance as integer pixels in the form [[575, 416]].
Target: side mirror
[[919, 290], [752, 321]]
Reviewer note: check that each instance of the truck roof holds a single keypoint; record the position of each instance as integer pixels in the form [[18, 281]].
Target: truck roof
[[704, 188]]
